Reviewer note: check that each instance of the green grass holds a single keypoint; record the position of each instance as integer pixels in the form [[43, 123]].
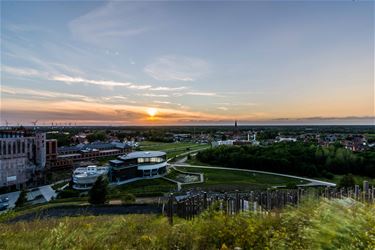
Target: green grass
[[314, 225], [172, 149], [358, 179], [216, 179], [61, 175], [148, 187]]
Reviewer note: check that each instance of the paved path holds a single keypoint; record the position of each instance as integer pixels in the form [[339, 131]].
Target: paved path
[[58, 212], [312, 182]]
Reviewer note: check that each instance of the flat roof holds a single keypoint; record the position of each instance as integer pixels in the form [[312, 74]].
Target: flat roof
[[116, 161], [142, 154], [109, 150]]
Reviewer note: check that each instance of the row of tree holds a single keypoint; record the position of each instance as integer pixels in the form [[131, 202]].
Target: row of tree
[[293, 158]]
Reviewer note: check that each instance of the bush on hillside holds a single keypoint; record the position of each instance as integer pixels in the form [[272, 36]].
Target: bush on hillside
[[98, 192]]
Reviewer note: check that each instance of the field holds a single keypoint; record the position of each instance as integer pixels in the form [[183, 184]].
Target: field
[[172, 149], [314, 225], [150, 187], [216, 179]]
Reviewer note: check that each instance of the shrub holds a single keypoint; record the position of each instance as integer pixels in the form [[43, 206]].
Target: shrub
[[22, 199], [98, 192]]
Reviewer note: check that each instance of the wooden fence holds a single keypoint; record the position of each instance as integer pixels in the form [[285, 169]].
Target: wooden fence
[[192, 204]]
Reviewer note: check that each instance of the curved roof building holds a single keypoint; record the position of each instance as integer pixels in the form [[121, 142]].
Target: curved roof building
[[138, 165]]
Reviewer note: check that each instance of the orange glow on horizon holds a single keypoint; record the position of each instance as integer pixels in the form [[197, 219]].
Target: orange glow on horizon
[[152, 112]]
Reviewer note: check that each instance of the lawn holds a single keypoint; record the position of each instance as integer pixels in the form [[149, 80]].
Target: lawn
[[358, 179], [150, 187], [226, 180], [172, 149], [214, 179]]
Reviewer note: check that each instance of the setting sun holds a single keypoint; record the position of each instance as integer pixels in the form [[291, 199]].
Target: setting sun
[[152, 111]]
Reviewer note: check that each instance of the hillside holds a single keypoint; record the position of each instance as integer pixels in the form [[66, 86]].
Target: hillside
[[314, 225]]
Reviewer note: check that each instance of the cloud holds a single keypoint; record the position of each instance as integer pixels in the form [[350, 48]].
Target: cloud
[[21, 71], [43, 94], [108, 24], [223, 108], [168, 88], [202, 93], [69, 79], [153, 95], [177, 68], [162, 102], [29, 72]]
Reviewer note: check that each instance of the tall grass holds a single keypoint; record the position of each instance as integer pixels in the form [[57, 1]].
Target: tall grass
[[337, 224]]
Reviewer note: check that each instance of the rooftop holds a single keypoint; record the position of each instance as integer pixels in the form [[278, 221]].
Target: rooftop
[[142, 154]]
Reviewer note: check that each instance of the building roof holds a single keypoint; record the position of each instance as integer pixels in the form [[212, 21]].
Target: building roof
[[116, 161], [94, 145], [142, 154]]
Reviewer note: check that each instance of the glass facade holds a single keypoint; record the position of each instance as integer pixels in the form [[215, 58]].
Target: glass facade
[[142, 160]]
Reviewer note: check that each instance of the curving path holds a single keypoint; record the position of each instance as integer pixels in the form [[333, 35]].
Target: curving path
[[312, 182]]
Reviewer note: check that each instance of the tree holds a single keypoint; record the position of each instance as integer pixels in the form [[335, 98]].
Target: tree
[[99, 191], [22, 199], [347, 181], [97, 136]]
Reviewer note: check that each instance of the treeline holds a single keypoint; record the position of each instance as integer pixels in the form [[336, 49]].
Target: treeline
[[293, 158]]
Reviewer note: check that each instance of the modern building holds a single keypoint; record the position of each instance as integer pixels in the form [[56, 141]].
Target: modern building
[[84, 178], [138, 165], [22, 153]]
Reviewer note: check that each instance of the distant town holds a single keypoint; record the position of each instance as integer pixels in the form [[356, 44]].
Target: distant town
[[48, 160]]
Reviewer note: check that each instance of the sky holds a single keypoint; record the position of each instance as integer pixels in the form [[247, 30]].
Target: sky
[[181, 62]]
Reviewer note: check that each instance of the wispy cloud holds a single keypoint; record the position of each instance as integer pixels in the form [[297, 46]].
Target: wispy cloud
[[106, 24], [222, 108], [21, 71], [69, 79], [153, 95], [43, 94], [29, 72], [180, 68], [202, 93], [162, 102], [168, 88]]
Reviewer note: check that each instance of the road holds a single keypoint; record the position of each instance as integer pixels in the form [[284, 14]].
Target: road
[[58, 212]]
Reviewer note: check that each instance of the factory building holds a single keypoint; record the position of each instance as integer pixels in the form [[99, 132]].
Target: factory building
[[21, 154]]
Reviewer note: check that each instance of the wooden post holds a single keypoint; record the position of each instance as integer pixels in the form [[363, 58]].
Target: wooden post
[[205, 200], [356, 192], [237, 205], [170, 209], [366, 190]]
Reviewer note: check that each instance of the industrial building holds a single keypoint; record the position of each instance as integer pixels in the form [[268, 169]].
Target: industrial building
[[22, 153], [65, 157]]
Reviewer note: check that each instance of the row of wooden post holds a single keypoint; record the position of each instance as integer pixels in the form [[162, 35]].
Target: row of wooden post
[[257, 200]]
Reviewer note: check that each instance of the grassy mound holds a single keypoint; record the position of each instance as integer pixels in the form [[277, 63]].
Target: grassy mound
[[314, 225]]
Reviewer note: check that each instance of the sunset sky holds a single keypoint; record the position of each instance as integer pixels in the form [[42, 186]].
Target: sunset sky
[[155, 63]]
